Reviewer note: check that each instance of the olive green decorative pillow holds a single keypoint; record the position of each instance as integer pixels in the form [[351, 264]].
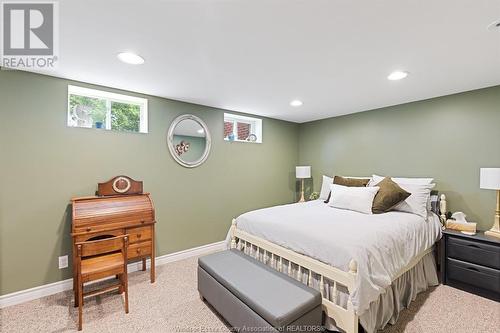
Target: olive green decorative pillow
[[389, 195], [350, 182]]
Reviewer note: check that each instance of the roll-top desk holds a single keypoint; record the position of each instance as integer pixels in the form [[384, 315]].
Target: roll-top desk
[[119, 208]]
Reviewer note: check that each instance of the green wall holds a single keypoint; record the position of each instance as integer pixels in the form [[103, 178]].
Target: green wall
[[448, 138], [43, 164]]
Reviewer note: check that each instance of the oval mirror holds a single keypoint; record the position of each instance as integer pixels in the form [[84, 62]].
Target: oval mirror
[[189, 140]]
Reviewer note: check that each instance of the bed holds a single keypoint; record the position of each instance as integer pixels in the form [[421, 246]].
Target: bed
[[367, 267]]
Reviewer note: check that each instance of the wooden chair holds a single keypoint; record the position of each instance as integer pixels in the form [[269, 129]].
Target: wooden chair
[[99, 259]]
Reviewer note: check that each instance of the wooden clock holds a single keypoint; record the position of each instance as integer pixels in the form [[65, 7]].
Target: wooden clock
[[119, 185]]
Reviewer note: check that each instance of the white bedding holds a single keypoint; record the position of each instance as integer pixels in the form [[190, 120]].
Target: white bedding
[[382, 244]]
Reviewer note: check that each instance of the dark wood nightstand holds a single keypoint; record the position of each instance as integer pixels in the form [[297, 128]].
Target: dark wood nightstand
[[471, 263]]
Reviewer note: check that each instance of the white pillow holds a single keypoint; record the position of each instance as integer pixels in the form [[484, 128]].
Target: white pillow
[[416, 203], [325, 187], [398, 180], [359, 199]]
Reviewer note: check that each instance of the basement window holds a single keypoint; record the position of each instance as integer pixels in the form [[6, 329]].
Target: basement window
[[90, 108], [242, 129]]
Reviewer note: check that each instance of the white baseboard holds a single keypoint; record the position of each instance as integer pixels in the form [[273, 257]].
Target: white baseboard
[[26, 295]]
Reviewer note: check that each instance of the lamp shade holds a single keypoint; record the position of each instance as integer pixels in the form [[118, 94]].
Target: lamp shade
[[303, 172], [490, 178]]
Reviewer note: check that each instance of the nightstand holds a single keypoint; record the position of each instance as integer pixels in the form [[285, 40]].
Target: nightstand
[[471, 263]]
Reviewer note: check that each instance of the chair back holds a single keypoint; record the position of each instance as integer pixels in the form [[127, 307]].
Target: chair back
[[102, 246]]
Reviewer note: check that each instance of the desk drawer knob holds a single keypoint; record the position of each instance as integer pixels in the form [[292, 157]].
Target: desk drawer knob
[[139, 250], [88, 229], [138, 235], [142, 221]]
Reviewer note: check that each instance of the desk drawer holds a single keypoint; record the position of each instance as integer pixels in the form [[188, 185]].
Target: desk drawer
[[139, 234], [474, 252], [474, 275], [137, 250], [99, 235]]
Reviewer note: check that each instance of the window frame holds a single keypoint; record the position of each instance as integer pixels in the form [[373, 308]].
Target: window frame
[[110, 97], [255, 126]]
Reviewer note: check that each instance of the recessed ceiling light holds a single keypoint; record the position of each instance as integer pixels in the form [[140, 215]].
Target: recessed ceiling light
[[397, 75], [130, 58], [200, 131], [296, 103]]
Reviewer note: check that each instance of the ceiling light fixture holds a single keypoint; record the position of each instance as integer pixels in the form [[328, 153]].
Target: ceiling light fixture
[[296, 103], [130, 58], [397, 75], [200, 131]]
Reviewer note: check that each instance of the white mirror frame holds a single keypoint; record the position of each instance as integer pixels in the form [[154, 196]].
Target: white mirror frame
[[170, 141]]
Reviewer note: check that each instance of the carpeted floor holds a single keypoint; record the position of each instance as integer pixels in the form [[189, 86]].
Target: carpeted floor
[[172, 304]]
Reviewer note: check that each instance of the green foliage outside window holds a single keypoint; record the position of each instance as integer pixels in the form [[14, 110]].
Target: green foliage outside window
[[125, 117], [86, 111]]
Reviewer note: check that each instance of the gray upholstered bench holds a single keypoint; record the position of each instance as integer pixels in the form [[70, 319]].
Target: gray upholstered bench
[[255, 298]]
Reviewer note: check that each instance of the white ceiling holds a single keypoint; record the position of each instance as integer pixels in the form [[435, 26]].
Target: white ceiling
[[257, 56]]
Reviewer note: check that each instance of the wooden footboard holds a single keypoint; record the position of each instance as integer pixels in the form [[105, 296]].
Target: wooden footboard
[[345, 319]]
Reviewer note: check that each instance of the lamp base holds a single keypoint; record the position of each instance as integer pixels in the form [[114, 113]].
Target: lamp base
[[492, 233], [302, 199], [495, 230]]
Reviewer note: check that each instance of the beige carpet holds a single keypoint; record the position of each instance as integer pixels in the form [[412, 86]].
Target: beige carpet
[[172, 305]]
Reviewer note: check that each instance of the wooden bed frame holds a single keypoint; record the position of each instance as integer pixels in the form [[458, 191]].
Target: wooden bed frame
[[346, 319]]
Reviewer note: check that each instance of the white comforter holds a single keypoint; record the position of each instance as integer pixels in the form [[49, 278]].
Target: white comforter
[[382, 244]]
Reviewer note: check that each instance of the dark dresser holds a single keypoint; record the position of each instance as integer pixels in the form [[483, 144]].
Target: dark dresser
[[471, 263]]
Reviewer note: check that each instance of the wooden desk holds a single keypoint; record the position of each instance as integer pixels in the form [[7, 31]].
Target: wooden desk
[[114, 215]]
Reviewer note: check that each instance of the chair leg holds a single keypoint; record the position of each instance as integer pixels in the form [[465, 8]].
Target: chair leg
[[143, 264], [75, 295], [125, 287], [120, 278], [80, 304]]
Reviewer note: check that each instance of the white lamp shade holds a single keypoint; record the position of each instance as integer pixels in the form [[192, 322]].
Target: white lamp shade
[[490, 178], [303, 172]]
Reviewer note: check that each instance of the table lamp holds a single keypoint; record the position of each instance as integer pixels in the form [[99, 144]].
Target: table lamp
[[490, 179], [302, 172]]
